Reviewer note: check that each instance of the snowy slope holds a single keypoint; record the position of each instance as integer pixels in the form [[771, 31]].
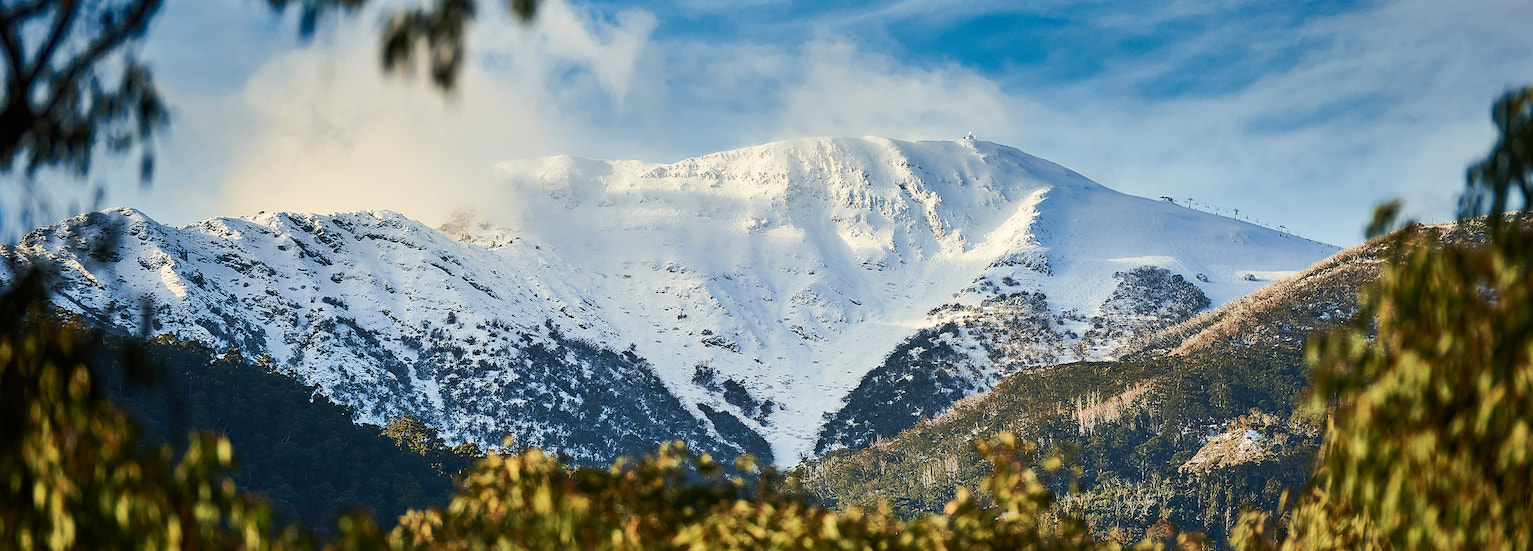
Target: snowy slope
[[741, 293]]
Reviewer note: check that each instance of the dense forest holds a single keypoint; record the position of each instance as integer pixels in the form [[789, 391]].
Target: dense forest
[[297, 451]]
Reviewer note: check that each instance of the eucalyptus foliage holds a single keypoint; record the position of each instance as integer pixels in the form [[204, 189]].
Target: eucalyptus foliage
[[73, 473], [1430, 391]]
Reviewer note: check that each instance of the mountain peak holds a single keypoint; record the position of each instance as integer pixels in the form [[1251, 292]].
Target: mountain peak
[[744, 296]]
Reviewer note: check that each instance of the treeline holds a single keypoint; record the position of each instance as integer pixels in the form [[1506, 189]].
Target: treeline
[[298, 452], [1125, 429]]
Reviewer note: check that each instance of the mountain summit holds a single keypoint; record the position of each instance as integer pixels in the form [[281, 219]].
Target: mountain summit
[[783, 299]]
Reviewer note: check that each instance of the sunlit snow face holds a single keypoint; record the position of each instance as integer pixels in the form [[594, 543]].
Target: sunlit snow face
[[807, 261]]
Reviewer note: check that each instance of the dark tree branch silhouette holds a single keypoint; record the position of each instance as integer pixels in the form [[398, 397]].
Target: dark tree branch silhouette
[[1508, 167], [437, 32], [59, 101]]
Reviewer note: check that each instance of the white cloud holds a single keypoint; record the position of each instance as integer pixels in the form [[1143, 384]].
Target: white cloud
[[846, 91], [564, 34], [329, 132]]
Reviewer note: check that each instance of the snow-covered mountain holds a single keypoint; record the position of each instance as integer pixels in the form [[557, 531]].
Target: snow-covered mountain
[[782, 299]]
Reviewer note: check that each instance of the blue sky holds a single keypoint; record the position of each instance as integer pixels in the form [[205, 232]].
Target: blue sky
[[1303, 113]]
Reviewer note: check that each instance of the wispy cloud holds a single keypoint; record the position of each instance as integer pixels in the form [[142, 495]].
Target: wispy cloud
[[328, 132], [1376, 103]]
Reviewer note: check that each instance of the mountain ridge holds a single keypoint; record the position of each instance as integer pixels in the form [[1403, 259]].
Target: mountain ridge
[[749, 292]]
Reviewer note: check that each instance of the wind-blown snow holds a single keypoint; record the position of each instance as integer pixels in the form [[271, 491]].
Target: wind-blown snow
[[790, 269]]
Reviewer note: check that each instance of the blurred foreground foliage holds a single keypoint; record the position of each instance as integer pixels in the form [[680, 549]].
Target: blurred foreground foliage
[[73, 472], [1430, 391], [671, 500]]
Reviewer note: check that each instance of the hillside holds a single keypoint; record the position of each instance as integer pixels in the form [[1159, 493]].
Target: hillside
[[1196, 420], [1282, 315]]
